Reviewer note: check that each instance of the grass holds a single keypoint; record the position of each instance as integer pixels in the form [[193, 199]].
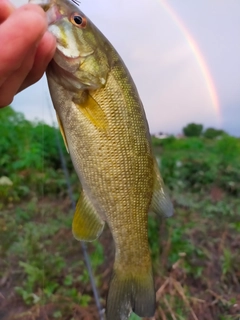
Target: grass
[[42, 261], [195, 257]]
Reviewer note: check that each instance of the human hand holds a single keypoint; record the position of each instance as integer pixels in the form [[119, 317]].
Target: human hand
[[26, 48]]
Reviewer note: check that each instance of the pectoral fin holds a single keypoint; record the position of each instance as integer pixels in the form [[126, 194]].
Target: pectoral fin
[[62, 132], [92, 111], [87, 224], [161, 203]]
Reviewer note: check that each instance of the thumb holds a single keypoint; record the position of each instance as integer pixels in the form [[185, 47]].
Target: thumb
[[6, 8]]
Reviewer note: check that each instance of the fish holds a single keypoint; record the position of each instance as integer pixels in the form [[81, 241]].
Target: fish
[[105, 130]]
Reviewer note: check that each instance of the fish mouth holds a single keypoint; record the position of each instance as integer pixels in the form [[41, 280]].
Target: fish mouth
[[75, 61], [77, 58], [45, 4], [53, 14], [51, 9]]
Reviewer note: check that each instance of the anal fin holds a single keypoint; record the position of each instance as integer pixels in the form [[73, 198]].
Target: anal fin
[[87, 224]]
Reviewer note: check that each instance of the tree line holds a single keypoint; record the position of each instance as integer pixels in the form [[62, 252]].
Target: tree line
[[196, 130]]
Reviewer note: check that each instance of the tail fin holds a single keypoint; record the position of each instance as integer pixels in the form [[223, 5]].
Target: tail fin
[[130, 292]]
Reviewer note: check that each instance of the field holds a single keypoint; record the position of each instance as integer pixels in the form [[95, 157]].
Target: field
[[196, 253]]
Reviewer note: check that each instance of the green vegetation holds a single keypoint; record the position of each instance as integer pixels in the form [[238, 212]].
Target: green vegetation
[[193, 130], [199, 164], [29, 159], [195, 253], [212, 133], [196, 130]]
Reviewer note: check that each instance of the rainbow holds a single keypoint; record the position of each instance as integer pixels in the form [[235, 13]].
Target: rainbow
[[197, 53]]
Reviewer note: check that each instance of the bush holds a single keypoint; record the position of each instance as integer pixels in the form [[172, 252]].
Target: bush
[[29, 156], [212, 133], [193, 130], [228, 149]]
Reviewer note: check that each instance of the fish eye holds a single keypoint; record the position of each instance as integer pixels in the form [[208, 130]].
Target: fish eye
[[78, 20]]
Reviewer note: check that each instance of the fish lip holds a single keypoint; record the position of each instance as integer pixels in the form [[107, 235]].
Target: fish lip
[[53, 14], [76, 59], [73, 57]]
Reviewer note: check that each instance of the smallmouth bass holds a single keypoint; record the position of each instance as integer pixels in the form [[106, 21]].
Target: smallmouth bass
[[104, 127]]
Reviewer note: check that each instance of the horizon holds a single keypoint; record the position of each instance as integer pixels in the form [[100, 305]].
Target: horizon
[[54, 124]]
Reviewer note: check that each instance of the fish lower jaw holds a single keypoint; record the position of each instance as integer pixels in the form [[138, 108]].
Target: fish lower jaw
[[70, 58]]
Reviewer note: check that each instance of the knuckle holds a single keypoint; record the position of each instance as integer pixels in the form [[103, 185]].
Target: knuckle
[[5, 101], [36, 76]]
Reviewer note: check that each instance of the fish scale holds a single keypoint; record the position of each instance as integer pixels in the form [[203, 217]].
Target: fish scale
[[104, 127]]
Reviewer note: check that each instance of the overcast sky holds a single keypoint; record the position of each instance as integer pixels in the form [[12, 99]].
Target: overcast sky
[[180, 53]]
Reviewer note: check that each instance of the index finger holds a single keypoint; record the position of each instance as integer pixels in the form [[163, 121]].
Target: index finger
[[19, 35]]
